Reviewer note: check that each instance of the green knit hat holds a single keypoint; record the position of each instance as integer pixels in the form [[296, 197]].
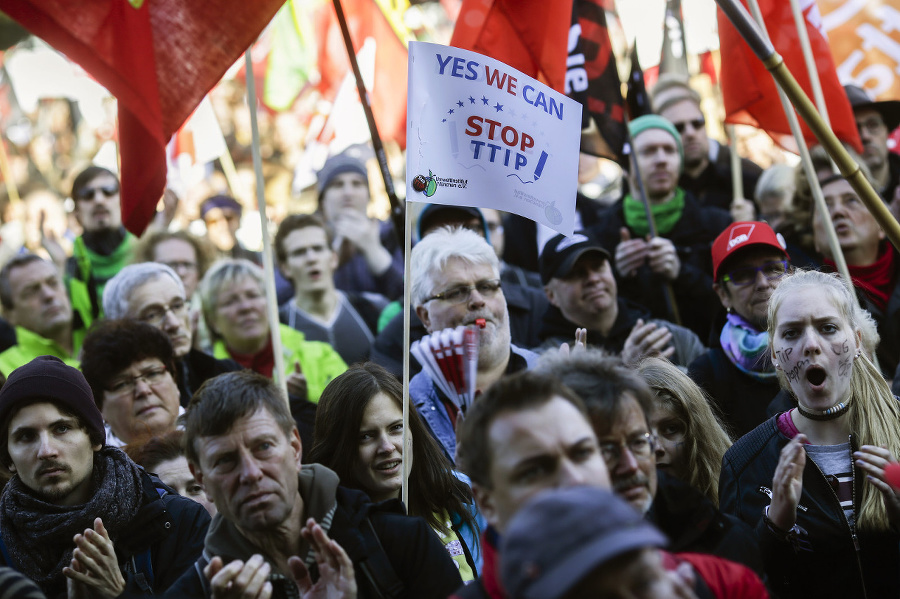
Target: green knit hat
[[654, 121]]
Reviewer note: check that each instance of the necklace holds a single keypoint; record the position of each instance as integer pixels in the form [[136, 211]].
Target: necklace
[[831, 413]]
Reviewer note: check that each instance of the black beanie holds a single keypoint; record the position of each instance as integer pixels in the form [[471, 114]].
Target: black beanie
[[48, 377], [338, 165]]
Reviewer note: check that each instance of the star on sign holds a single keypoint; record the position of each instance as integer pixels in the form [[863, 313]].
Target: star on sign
[[498, 107], [485, 101], [471, 100], [460, 103]]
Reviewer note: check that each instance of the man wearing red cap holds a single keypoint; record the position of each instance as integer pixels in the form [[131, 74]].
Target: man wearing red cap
[[749, 261]]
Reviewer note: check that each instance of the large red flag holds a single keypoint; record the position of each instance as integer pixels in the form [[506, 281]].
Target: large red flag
[[749, 90], [158, 57], [528, 36], [367, 20]]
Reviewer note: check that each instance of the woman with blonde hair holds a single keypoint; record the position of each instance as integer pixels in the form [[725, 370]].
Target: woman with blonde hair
[[690, 437], [811, 479]]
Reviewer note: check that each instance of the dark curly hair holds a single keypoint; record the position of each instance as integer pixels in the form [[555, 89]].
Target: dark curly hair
[[111, 346]]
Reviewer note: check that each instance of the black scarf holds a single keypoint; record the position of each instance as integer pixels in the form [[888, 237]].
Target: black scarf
[[38, 535]]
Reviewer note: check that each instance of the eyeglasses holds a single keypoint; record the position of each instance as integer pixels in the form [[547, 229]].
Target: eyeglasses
[[457, 295], [695, 124], [641, 446], [495, 227], [746, 276], [126, 385], [88, 193], [155, 315]]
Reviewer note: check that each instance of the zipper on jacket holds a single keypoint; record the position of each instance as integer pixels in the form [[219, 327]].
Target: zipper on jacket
[[851, 528]]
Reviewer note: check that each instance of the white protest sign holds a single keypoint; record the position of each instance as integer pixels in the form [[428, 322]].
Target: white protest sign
[[483, 134]]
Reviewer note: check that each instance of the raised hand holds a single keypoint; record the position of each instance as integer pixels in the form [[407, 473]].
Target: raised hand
[[336, 576], [94, 570], [296, 382], [873, 460], [239, 579], [631, 254], [663, 258], [647, 340], [787, 484]]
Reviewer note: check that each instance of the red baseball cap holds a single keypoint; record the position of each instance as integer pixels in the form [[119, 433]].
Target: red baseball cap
[[738, 236]]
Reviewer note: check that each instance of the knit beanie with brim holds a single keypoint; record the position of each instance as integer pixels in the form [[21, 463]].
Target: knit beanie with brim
[[654, 121], [338, 165]]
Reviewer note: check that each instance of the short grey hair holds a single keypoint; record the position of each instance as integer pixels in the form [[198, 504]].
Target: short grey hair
[[437, 248], [224, 272], [118, 290]]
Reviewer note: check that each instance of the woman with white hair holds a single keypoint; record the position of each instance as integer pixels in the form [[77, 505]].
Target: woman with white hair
[[234, 306]]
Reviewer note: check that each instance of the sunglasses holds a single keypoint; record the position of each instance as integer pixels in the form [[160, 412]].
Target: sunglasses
[[88, 193], [695, 124]]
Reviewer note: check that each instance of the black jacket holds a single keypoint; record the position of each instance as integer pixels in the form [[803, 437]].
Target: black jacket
[[168, 529], [713, 186], [692, 236], [558, 329], [823, 561], [741, 399], [525, 306], [694, 525], [413, 550], [196, 368]]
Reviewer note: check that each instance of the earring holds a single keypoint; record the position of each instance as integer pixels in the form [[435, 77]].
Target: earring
[[858, 353], [775, 364], [730, 310]]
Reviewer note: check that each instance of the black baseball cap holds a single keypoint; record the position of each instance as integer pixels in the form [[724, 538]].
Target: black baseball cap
[[561, 253]]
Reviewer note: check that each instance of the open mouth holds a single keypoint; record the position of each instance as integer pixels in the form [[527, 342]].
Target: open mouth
[[816, 375], [387, 466]]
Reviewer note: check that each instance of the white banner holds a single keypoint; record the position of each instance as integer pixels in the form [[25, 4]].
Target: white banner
[[483, 134]]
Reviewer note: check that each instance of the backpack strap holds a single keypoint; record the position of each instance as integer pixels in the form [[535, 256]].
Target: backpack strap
[[377, 568]]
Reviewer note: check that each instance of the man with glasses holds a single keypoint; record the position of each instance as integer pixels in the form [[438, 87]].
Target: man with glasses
[[749, 261], [668, 271], [583, 293], [153, 293], [456, 281], [104, 246], [35, 302], [707, 163], [618, 404], [876, 121]]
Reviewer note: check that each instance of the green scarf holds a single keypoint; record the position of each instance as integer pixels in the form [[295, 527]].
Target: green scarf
[[665, 215]]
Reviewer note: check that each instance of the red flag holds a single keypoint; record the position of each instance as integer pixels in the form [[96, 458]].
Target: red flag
[[749, 90], [159, 58], [528, 36], [365, 20]]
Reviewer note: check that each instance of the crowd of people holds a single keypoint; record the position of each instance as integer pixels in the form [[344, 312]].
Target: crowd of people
[[701, 411]]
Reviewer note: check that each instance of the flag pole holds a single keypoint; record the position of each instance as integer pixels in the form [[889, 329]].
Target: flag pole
[[397, 208], [737, 180], [407, 309], [667, 285], [848, 167], [815, 84], [268, 260], [808, 170]]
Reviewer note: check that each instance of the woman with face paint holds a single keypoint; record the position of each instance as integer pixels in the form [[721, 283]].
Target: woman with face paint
[[811, 479], [690, 438]]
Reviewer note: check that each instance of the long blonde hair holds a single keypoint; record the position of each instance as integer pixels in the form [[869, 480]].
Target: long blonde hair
[[874, 412], [705, 439]]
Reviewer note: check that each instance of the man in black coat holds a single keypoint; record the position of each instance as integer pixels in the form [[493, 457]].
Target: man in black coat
[[78, 518], [679, 254], [280, 525]]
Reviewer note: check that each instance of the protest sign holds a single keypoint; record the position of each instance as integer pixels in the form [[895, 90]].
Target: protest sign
[[483, 134]]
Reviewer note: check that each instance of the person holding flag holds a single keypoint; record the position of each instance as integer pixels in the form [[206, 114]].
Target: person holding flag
[[680, 254]]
